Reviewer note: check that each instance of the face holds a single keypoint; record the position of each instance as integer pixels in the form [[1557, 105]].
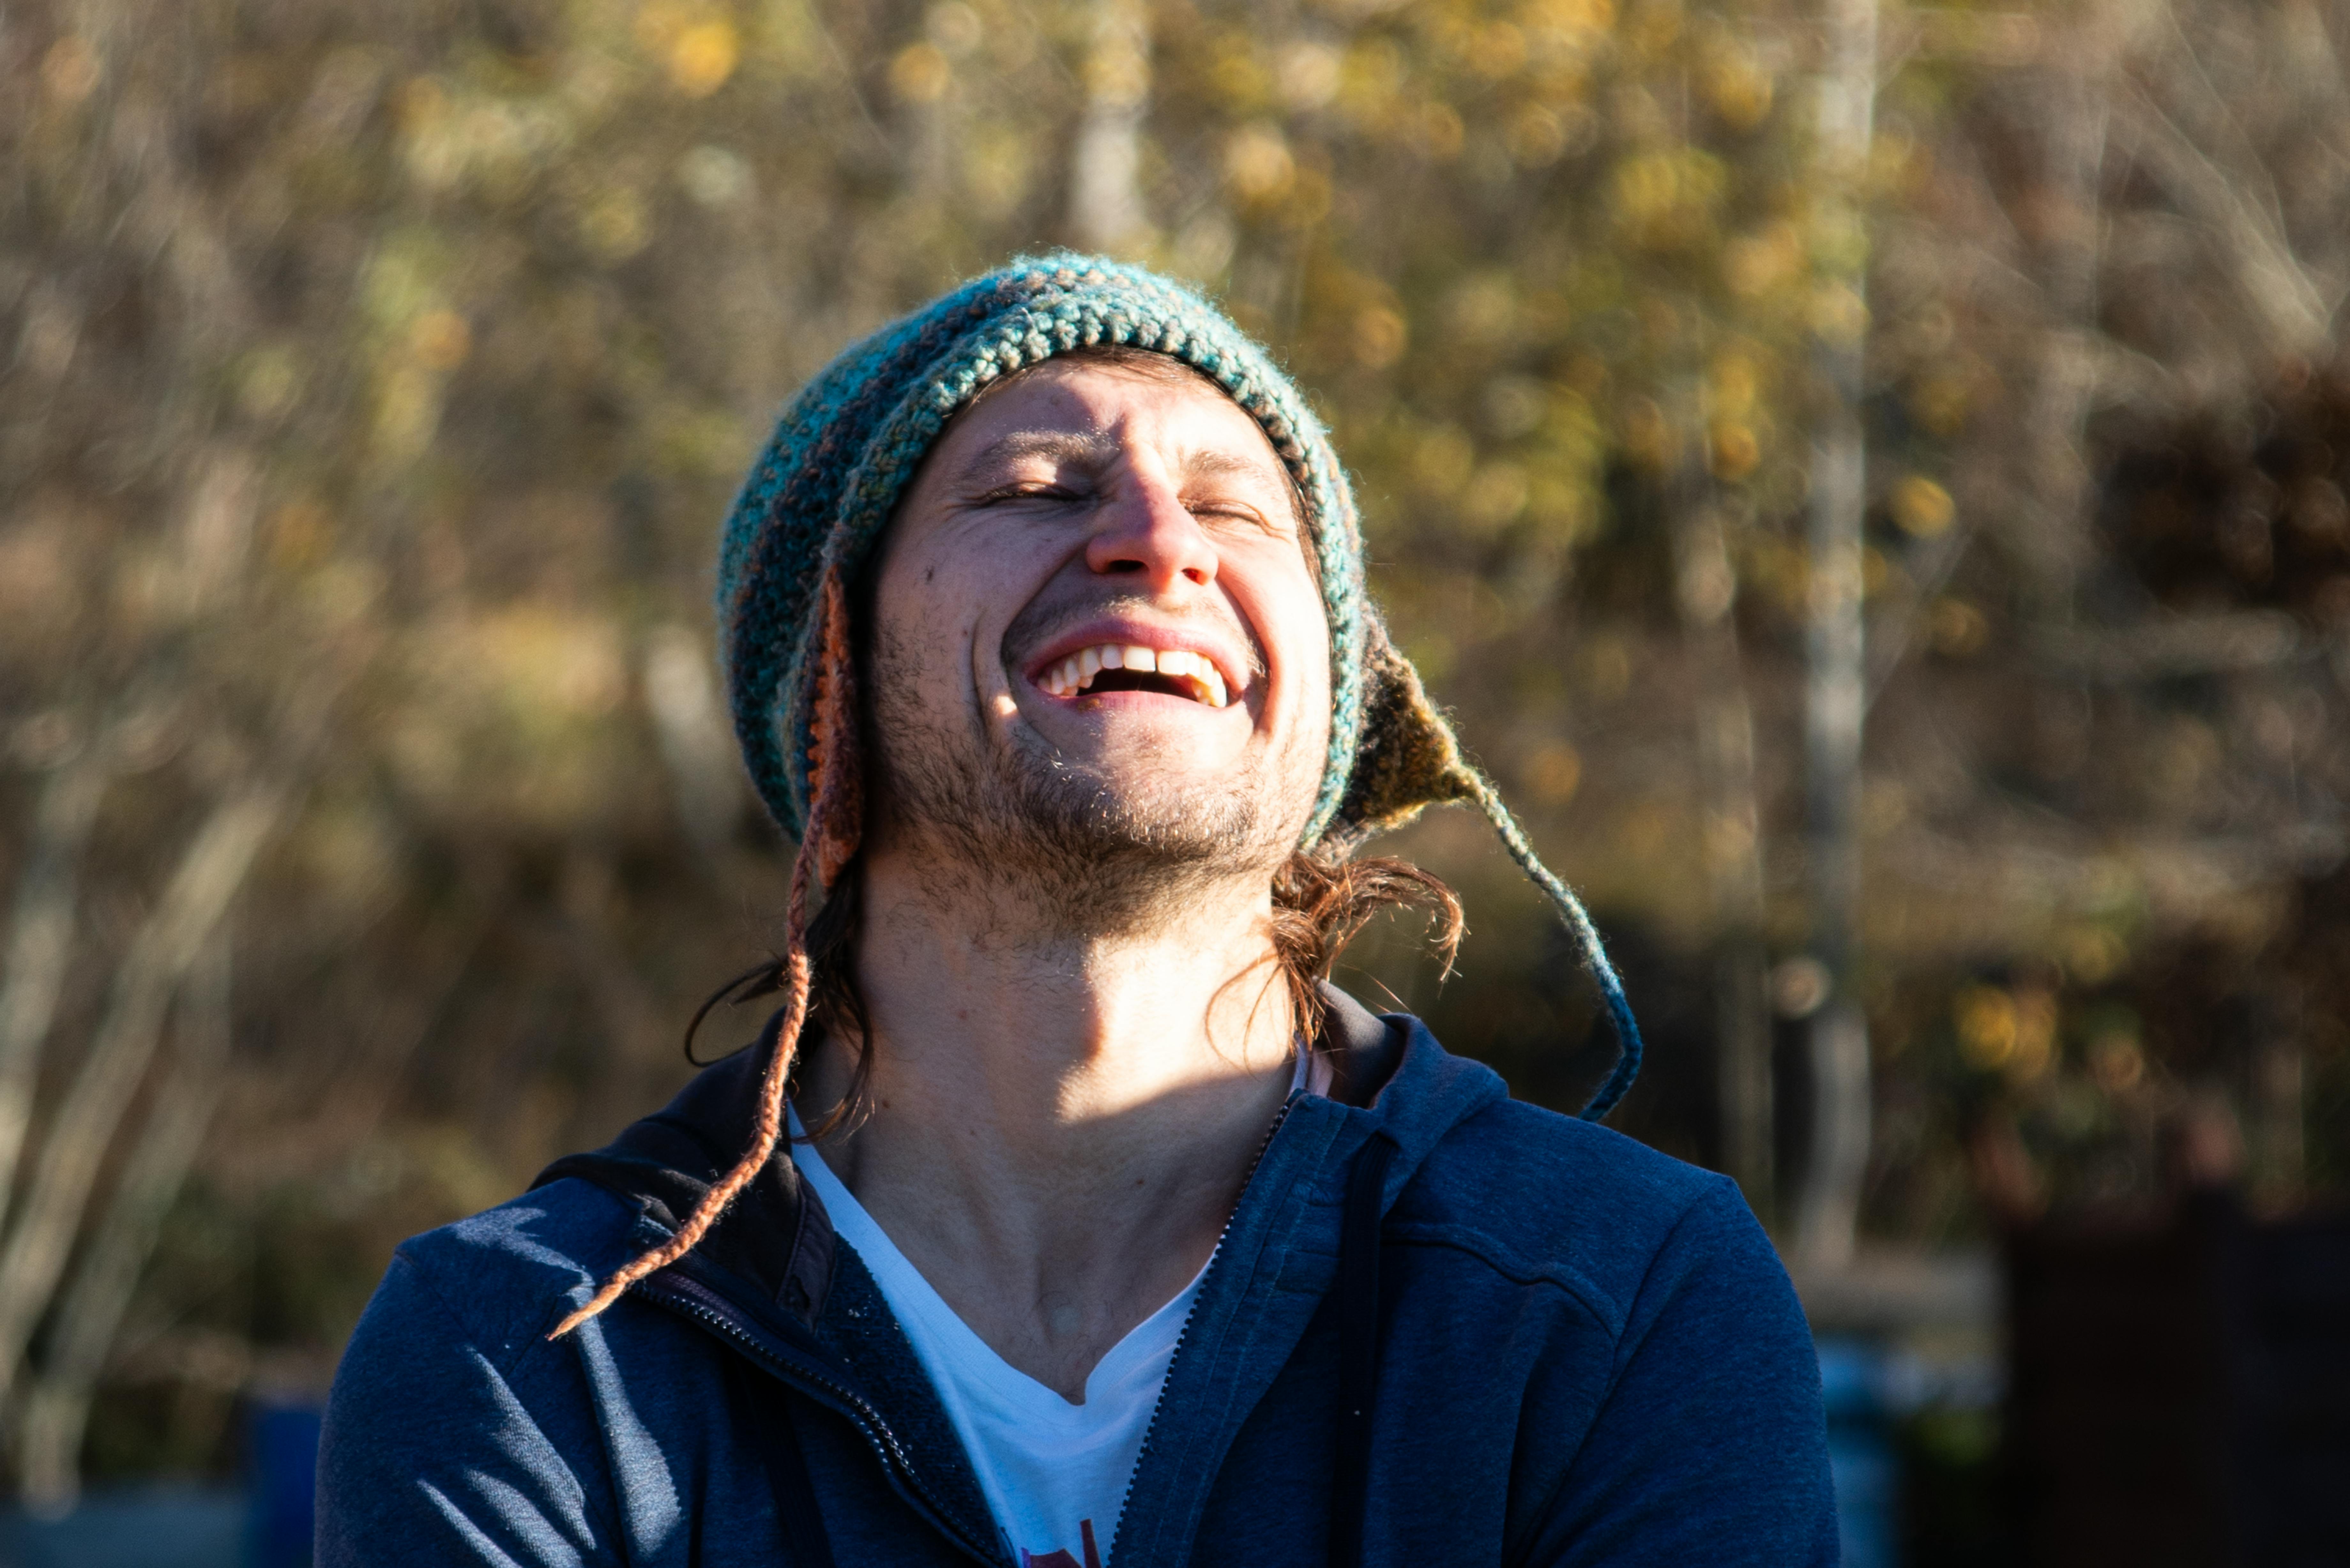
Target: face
[[1099, 650]]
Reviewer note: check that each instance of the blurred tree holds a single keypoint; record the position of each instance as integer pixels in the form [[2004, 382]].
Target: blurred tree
[[377, 374]]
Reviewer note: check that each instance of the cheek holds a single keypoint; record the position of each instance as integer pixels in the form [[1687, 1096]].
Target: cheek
[[1298, 627], [936, 615]]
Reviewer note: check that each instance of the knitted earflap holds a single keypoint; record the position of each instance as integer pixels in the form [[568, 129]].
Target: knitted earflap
[[1409, 761]]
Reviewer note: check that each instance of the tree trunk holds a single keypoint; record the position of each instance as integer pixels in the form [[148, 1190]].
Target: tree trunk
[[1105, 208], [1829, 1207]]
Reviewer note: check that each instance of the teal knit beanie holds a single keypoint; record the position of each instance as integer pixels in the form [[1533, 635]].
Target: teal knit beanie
[[805, 526]]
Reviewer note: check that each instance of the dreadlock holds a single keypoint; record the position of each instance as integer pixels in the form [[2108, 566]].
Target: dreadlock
[[835, 824]]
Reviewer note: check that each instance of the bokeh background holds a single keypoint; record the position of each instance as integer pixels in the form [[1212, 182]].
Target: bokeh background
[[1868, 479]]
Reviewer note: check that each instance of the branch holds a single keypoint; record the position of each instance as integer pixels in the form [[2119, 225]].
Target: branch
[[91, 1307], [2296, 313], [161, 955], [2184, 645], [40, 939]]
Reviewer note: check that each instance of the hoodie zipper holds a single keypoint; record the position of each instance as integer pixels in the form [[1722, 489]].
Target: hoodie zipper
[[1150, 1431], [691, 1299]]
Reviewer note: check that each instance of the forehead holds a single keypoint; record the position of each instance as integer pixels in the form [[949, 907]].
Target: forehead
[[1107, 403]]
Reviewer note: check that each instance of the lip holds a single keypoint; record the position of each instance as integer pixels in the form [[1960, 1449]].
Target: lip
[[1235, 667]]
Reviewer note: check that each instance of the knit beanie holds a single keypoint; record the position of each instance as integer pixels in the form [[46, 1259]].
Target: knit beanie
[[805, 527]]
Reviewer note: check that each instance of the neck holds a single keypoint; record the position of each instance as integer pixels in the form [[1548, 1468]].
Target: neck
[[1060, 1118]]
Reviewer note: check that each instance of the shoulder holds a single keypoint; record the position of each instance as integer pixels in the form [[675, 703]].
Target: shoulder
[[500, 1280], [1537, 1195]]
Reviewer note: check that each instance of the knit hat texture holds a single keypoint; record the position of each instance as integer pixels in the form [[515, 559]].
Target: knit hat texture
[[805, 527]]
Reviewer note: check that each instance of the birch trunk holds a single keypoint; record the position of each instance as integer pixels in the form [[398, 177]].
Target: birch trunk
[[1828, 1204], [1105, 208]]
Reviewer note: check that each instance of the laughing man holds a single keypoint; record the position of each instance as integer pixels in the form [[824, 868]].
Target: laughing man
[[1062, 1215]]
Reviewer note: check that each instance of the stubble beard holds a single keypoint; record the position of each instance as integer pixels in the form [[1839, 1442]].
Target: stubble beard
[[1092, 853]]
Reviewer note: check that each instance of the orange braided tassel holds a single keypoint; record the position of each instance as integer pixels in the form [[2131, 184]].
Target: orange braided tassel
[[835, 823]]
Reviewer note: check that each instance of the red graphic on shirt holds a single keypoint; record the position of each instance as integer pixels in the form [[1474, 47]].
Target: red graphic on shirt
[[1062, 1559]]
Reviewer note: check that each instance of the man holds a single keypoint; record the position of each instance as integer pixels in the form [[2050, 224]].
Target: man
[[1119, 1238]]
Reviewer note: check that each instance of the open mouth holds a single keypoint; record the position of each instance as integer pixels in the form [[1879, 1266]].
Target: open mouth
[[1112, 667]]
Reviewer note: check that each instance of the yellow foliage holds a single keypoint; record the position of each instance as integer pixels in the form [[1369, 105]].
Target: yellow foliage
[[703, 57], [1648, 437], [1734, 451], [919, 73], [1837, 314], [1738, 91], [440, 341], [1537, 136], [614, 223], [1957, 627], [1497, 50], [1754, 264], [1730, 384], [1987, 1026], [1440, 131], [1666, 198], [2093, 954], [1380, 337], [1310, 74], [1257, 164], [1495, 496], [1941, 400], [2012, 1033], [69, 70], [1567, 20], [1920, 507]]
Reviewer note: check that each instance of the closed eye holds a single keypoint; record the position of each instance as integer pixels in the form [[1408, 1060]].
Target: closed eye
[[1006, 495]]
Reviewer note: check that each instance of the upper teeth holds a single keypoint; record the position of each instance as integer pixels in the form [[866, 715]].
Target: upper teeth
[[1076, 672]]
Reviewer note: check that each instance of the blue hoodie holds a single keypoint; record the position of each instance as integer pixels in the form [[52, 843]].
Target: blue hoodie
[[1526, 1340]]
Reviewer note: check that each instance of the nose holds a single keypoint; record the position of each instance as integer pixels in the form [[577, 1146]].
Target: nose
[[1149, 533]]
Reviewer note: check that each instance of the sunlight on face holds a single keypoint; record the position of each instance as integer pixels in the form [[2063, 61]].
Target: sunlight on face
[[1097, 631]]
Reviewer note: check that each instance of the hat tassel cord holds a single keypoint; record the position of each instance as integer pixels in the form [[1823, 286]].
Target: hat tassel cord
[[1589, 948]]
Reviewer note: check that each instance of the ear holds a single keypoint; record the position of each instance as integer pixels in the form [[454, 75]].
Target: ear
[[1407, 759], [835, 817]]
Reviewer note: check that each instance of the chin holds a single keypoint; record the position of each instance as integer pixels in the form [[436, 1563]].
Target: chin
[[1113, 816], [1108, 847]]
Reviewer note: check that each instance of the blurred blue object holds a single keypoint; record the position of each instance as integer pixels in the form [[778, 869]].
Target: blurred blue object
[[282, 1474], [266, 1525], [164, 1527], [1853, 1384]]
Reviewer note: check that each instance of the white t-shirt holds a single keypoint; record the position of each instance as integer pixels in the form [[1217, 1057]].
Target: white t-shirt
[[1055, 1474]]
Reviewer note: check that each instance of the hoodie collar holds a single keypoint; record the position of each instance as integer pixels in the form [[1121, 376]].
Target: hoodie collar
[[774, 1252], [1278, 1260]]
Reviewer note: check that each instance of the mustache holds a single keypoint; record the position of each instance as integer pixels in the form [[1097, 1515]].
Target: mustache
[[1040, 620]]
